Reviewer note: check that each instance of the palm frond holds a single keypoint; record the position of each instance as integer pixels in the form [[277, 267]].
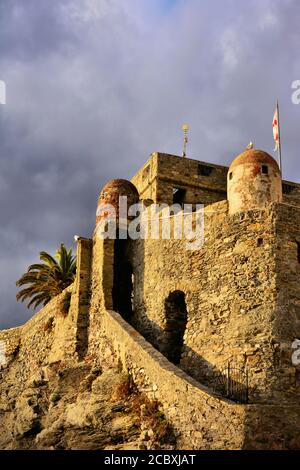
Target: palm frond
[[48, 279]]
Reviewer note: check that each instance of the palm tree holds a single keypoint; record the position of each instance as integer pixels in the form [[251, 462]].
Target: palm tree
[[48, 279]]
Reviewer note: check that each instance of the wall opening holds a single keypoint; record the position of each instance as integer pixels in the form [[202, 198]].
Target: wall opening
[[264, 169], [230, 175], [260, 241], [123, 283], [176, 319], [204, 170], [179, 196], [298, 251], [287, 188]]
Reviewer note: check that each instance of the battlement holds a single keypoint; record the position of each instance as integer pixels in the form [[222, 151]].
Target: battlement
[[167, 178]]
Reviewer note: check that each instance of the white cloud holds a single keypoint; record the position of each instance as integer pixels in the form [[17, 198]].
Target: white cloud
[[231, 49]]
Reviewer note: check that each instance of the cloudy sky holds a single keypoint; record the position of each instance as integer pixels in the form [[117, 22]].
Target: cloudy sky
[[95, 86]]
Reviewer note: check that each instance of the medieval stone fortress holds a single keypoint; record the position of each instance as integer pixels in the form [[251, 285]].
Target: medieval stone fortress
[[208, 332]]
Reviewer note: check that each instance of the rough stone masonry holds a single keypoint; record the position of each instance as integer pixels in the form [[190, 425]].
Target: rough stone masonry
[[206, 333]]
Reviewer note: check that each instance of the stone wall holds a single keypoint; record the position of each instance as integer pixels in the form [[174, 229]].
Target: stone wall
[[291, 193], [28, 348], [287, 312], [231, 288], [10, 342], [71, 330], [229, 293], [56, 332], [204, 183], [83, 290], [102, 286], [145, 180], [200, 419]]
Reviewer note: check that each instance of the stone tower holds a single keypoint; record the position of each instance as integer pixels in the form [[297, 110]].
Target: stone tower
[[108, 202], [254, 180]]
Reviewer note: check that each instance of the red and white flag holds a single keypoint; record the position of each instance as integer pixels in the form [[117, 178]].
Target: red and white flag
[[276, 128]]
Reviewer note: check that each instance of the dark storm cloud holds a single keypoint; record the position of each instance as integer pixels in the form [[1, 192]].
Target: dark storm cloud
[[94, 86]]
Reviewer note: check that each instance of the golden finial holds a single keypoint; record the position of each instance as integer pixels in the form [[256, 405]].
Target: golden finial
[[185, 129]]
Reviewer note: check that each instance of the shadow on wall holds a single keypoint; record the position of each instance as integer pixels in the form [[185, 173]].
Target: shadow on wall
[[272, 428], [230, 382], [83, 294], [123, 282], [176, 320], [169, 340], [82, 332]]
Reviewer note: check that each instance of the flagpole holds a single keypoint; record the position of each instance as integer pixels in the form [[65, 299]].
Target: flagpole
[[279, 139]]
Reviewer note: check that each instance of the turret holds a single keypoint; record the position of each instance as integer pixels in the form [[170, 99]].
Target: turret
[[109, 200], [253, 180]]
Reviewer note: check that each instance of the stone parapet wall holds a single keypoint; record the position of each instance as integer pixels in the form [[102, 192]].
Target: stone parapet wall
[[83, 294], [10, 341], [53, 334], [102, 284], [29, 347], [200, 419], [71, 330]]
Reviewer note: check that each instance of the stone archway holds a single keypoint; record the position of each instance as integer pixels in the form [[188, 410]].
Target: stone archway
[[175, 325]]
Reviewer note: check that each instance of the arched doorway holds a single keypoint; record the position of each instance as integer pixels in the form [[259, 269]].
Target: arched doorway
[[176, 319]]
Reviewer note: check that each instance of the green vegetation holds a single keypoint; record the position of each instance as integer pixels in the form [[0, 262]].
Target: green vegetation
[[48, 279]]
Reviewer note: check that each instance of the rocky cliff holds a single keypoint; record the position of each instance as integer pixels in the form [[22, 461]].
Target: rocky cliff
[[78, 407]]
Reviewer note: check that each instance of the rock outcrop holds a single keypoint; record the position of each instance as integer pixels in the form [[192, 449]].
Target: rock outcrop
[[78, 407]]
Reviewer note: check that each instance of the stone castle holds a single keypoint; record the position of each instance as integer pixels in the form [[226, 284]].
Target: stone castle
[[208, 332]]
